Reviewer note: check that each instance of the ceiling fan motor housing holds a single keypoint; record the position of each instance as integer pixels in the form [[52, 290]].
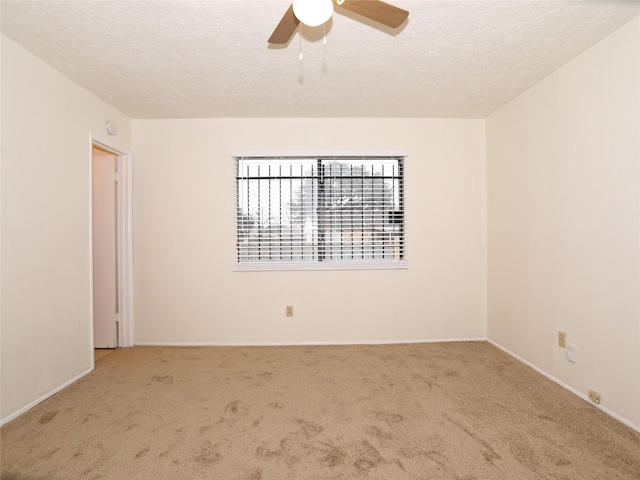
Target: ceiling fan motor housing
[[313, 12]]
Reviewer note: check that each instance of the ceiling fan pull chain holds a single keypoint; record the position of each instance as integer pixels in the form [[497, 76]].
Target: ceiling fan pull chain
[[300, 56]]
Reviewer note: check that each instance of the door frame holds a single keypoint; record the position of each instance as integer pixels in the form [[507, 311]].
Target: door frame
[[124, 240]]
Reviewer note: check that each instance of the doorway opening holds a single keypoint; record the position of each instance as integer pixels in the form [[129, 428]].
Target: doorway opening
[[104, 208], [111, 249]]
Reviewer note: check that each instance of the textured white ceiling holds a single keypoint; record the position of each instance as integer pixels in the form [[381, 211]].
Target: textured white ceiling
[[188, 59]]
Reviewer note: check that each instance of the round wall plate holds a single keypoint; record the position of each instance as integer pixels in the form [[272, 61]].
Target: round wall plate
[[111, 127]]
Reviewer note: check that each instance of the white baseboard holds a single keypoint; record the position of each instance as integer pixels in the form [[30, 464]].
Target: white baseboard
[[44, 397], [302, 344], [567, 387]]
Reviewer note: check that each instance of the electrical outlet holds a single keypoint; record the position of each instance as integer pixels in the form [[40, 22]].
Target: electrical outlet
[[594, 396], [289, 311], [562, 339]]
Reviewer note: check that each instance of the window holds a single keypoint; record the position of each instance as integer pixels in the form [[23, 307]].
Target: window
[[320, 212]]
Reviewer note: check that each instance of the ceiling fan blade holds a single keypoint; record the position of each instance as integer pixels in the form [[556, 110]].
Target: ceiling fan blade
[[286, 28], [376, 10]]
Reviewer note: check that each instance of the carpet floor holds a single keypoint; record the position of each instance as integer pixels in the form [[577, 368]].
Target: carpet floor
[[422, 411]]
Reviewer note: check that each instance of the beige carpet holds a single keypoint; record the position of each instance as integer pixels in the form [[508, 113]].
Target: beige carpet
[[100, 353], [427, 411]]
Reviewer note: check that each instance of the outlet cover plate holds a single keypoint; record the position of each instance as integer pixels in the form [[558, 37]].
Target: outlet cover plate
[[562, 339]]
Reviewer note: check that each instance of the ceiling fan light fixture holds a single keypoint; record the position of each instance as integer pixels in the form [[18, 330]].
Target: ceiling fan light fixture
[[313, 12]]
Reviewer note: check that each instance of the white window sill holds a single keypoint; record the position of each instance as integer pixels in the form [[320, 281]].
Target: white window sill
[[298, 266]]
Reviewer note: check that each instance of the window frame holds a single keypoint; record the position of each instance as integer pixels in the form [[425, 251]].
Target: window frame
[[297, 265]]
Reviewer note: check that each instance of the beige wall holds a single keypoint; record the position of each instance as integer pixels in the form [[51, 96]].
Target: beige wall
[[186, 291], [45, 312], [563, 223]]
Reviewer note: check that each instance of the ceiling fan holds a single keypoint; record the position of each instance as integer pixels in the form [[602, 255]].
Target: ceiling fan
[[317, 12]]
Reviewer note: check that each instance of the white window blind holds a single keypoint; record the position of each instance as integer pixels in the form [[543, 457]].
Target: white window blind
[[313, 212]]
